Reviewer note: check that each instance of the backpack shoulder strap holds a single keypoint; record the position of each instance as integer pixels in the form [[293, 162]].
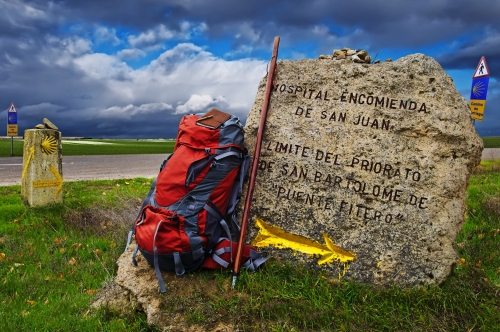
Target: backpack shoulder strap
[[144, 203], [236, 192]]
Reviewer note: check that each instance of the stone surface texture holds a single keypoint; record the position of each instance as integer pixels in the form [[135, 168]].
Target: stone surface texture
[[41, 178], [49, 125], [376, 157], [136, 288]]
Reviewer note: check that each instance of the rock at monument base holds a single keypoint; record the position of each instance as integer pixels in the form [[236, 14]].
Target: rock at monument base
[[375, 157], [136, 288]]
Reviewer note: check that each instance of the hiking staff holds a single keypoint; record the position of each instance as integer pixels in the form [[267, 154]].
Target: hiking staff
[[255, 162]]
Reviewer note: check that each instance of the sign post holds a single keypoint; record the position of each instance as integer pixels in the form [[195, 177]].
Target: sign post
[[41, 178], [12, 125], [479, 89]]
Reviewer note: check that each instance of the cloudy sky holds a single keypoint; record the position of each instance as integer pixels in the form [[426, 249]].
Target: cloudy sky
[[132, 68]]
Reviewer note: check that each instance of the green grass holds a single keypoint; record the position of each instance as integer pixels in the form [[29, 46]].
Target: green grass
[[491, 142], [56, 258], [110, 147], [129, 146]]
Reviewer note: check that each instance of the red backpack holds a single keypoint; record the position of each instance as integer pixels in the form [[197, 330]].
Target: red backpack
[[182, 223]]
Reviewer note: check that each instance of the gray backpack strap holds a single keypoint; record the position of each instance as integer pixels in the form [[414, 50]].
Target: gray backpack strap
[[144, 203], [216, 256], [156, 265], [229, 153], [179, 267], [236, 194], [252, 264], [134, 261], [256, 259], [214, 211], [158, 273]]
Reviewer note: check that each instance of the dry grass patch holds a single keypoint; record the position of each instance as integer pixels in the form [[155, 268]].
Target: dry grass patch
[[492, 205], [101, 220]]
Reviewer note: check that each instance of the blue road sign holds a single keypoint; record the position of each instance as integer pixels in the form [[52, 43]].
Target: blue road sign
[[479, 88], [11, 118]]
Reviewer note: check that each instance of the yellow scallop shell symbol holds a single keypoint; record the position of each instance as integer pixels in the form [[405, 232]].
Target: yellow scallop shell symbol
[[49, 145]]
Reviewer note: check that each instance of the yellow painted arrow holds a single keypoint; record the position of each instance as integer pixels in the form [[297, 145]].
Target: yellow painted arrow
[[31, 155], [270, 235], [51, 183]]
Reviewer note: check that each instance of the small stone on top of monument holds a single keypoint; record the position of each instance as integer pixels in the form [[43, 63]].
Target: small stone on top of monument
[[40, 126], [358, 56], [48, 124], [350, 52]]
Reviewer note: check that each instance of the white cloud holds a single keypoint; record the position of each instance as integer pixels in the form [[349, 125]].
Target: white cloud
[[20, 14], [102, 66], [200, 103], [40, 108], [240, 51], [62, 51], [153, 38], [131, 53], [103, 34], [127, 112], [89, 89], [245, 31]]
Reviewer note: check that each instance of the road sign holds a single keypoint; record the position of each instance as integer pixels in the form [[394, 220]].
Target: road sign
[[481, 69], [12, 120], [12, 108], [479, 90], [12, 130]]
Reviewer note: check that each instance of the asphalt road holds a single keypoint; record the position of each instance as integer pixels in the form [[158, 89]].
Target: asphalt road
[[76, 168]]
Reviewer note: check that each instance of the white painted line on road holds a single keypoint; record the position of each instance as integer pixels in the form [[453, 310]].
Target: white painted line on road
[[86, 142], [21, 164]]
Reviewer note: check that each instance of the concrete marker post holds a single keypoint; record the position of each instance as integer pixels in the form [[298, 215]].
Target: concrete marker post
[[41, 178]]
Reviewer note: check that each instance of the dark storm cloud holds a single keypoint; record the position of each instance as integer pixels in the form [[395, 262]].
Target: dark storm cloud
[[489, 125], [469, 54], [49, 66], [372, 24], [379, 23]]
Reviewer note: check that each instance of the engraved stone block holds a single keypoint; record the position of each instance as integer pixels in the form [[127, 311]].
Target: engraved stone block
[[369, 162]]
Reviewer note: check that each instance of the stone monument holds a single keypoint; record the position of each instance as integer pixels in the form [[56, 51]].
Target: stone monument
[[42, 165], [363, 169]]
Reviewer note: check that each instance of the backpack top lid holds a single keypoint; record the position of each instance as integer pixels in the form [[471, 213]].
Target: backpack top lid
[[213, 119], [229, 133]]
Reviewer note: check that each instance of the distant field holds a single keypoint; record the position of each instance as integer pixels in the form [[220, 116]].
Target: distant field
[[491, 142], [130, 146], [97, 147]]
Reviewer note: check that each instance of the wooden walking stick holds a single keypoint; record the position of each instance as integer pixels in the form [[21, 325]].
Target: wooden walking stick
[[255, 162]]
